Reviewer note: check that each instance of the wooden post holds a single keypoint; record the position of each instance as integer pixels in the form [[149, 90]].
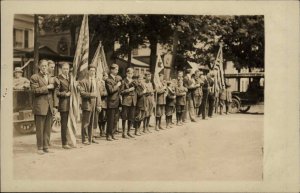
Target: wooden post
[[36, 43]]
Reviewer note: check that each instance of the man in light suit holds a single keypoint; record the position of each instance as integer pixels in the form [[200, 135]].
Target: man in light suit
[[63, 93], [90, 90], [43, 86], [112, 84]]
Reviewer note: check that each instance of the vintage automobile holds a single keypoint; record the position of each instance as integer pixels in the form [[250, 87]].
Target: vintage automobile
[[23, 117], [254, 94]]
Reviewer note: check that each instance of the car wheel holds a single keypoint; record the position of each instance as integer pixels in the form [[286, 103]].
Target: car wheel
[[235, 106], [244, 109]]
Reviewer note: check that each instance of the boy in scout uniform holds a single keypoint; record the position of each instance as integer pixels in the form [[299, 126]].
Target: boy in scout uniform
[[103, 113], [222, 98], [170, 103], [161, 93], [211, 93], [228, 98], [89, 90], [128, 102], [141, 105], [189, 83], [112, 84], [180, 91], [150, 100], [197, 92]]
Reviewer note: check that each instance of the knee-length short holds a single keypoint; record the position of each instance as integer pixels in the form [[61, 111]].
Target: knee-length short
[[128, 113], [170, 110], [102, 116], [180, 108], [160, 110], [139, 114]]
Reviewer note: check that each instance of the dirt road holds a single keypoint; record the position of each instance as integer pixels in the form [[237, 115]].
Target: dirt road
[[227, 147]]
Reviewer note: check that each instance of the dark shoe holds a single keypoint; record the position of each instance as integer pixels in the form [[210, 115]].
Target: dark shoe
[[40, 152], [47, 151], [66, 147], [150, 125], [114, 138], [193, 120], [130, 135], [124, 136], [93, 141], [108, 139], [161, 128]]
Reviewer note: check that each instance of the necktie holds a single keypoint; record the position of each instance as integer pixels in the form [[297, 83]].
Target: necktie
[[45, 77]]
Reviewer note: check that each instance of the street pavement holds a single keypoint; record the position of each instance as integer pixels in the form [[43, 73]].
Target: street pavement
[[225, 147]]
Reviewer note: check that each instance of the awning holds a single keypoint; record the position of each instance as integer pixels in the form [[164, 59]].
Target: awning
[[44, 53]]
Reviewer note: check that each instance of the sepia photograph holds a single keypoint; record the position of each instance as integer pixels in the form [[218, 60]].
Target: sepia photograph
[[182, 95], [149, 100]]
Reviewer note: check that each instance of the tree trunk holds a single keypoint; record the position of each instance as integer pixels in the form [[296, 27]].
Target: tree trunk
[[129, 52], [109, 51], [174, 54], [73, 40], [153, 52], [36, 43]]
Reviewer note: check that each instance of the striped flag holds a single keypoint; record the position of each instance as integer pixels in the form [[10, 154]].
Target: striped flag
[[219, 66], [159, 66], [99, 60], [80, 65]]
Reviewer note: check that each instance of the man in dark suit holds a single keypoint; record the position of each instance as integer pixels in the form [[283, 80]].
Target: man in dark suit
[[63, 93], [211, 93], [113, 83], [89, 90], [43, 88], [161, 93], [205, 90], [129, 98]]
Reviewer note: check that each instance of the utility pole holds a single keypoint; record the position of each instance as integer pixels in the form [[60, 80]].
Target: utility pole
[[36, 43]]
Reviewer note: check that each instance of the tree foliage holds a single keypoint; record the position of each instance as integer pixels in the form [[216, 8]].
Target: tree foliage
[[197, 37]]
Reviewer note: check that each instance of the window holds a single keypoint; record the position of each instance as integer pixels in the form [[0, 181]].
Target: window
[[18, 38]]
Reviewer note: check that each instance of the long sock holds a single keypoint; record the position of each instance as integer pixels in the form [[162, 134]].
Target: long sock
[[148, 121], [129, 126], [123, 126], [177, 117], [159, 123], [181, 116], [170, 119], [145, 123]]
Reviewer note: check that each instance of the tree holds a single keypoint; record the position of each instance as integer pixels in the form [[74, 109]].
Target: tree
[[243, 38]]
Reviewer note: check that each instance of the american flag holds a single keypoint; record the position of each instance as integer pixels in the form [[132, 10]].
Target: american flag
[[80, 65], [159, 66], [219, 65], [99, 60]]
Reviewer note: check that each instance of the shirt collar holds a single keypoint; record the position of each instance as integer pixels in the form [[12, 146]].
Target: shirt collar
[[113, 76], [129, 79], [65, 77], [44, 74]]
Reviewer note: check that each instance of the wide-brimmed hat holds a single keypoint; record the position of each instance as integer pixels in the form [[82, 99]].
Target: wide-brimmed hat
[[18, 69]]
